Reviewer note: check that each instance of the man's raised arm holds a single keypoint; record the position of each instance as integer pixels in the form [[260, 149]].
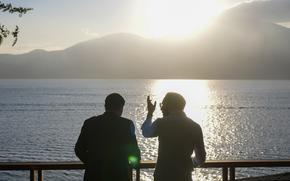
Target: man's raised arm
[[148, 128]]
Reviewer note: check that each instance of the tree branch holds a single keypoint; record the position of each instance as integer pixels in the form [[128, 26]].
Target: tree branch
[[4, 32], [9, 8]]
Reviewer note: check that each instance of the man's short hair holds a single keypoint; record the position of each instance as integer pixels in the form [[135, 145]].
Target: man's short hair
[[114, 102], [174, 100]]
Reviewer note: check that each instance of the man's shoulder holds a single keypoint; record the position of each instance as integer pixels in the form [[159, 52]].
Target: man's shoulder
[[161, 120], [92, 119], [169, 118], [194, 125], [126, 120]]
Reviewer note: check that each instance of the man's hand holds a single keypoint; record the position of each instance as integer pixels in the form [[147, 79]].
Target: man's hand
[[150, 107]]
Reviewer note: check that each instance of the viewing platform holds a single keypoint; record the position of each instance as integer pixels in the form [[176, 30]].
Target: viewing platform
[[228, 167]]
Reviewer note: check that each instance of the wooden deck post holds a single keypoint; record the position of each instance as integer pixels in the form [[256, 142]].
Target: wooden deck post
[[32, 175], [232, 174], [130, 174], [225, 174], [137, 174], [39, 173]]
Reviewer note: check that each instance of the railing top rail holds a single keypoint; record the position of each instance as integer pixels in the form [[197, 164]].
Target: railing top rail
[[63, 165], [73, 165], [247, 163]]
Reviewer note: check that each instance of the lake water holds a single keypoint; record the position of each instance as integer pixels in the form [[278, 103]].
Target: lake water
[[241, 119]]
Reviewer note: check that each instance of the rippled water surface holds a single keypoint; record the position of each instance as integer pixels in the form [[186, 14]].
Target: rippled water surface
[[41, 119]]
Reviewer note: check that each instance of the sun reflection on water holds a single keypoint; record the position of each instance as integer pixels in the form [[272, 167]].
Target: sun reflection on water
[[195, 92]]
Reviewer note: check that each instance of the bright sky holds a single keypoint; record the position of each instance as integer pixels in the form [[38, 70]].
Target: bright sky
[[55, 24]]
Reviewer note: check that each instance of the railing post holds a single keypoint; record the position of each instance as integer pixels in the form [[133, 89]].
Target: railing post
[[40, 178], [137, 174], [130, 174], [232, 174], [32, 175], [225, 174]]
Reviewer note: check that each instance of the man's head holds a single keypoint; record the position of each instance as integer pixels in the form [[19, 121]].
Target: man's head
[[172, 102], [114, 103]]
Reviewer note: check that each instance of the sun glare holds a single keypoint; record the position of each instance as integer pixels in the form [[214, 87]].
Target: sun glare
[[178, 18], [196, 93]]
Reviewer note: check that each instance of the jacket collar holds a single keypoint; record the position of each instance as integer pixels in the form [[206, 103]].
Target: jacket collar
[[110, 113]]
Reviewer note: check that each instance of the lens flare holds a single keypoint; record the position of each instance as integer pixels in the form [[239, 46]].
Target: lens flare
[[133, 161]]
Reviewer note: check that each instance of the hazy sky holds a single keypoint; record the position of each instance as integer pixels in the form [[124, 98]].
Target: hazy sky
[[57, 24]]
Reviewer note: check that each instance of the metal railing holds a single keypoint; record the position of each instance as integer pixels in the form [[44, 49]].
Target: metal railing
[[228, 167]]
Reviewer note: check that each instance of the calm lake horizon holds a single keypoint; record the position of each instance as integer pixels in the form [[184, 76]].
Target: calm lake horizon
[[241, 119]]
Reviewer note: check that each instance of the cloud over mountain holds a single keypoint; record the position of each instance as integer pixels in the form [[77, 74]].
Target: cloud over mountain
[[267, 10], [239, 45]]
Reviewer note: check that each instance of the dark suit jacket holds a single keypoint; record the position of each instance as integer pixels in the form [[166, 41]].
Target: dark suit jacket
[[104, 146], [178, 137]]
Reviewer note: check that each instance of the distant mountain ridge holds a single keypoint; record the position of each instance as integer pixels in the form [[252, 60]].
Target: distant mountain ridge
[[234, 47]]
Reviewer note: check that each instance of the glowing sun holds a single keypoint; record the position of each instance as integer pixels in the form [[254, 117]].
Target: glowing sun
[[178, 18]]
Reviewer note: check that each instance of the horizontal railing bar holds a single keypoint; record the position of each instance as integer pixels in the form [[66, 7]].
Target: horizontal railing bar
[[76, 165], [246, 163], [71, 165]]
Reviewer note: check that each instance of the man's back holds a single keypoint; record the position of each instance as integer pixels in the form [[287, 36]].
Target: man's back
[[178, 136], [104, 145]]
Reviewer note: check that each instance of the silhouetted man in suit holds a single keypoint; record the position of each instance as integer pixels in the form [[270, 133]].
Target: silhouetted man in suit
[[107, 144], [178, 137]]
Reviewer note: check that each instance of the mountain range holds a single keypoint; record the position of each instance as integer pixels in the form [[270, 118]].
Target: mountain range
[[237, 45]]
